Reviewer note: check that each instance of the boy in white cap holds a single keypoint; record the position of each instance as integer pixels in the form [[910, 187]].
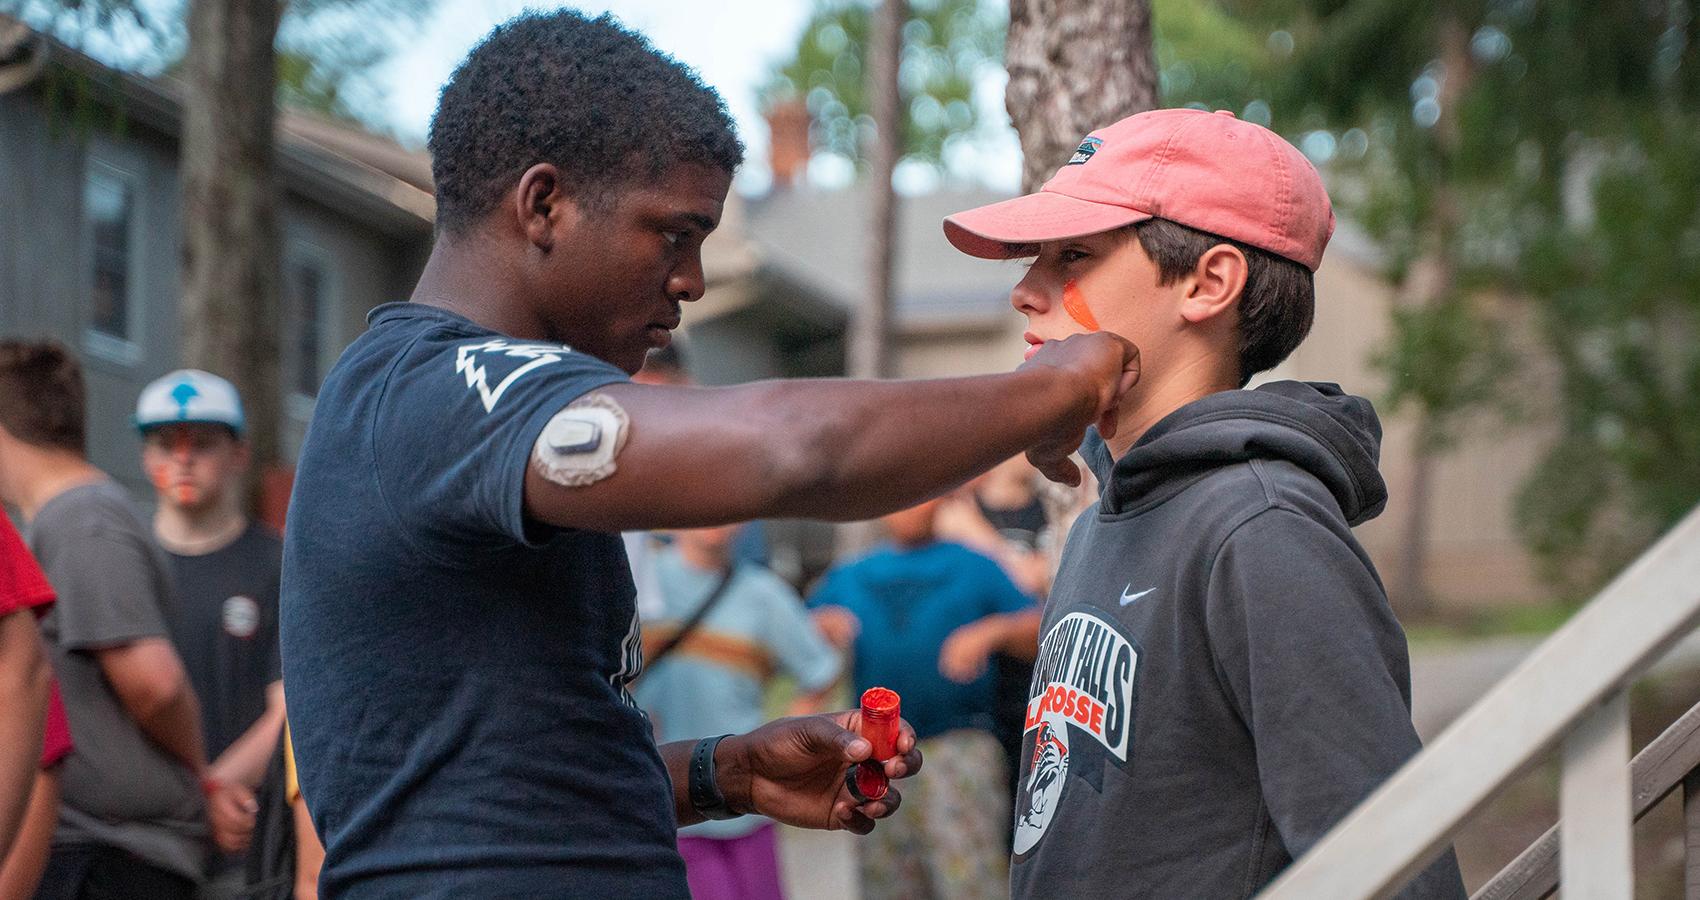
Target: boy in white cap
[[1220, 678], [137, 797], [226, 568]]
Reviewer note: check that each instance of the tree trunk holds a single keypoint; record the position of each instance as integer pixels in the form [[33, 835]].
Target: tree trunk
[[1074, 65], [229, 308], [870, 328], [870, 339], [1410, 588]]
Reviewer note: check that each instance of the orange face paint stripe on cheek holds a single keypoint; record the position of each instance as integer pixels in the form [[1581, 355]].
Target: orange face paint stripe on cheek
[[1074, 303]]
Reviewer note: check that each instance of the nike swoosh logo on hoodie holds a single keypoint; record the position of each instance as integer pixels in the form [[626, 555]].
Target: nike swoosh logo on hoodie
[[1129, 598]]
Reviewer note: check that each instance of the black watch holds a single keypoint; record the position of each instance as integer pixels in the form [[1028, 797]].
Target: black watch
[[704, 791]]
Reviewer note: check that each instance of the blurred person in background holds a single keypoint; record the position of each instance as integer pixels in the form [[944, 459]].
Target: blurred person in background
[[226, 568], [726, 628], [923, 617], [22, 864], [309, 851], [138, 796], [662, 366], [666, 366], [1003, 515], [33, 735]]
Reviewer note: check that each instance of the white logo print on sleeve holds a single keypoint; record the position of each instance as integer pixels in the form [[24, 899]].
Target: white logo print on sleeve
[[473, 360], [1082, 684]]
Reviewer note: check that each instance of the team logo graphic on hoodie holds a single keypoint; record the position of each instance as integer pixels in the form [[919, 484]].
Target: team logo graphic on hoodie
[[1082, 685], [1043, 786]]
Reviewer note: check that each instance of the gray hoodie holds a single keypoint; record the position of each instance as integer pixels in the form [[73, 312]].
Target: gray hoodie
[[1220, 678]]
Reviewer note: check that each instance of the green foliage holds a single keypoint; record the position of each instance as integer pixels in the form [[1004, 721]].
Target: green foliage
[[1448, 359], [1621, 312], [947, 46], [129, 35], [1562, 179], [324, 47], [303, 83], [1207, 58], [79, 105]]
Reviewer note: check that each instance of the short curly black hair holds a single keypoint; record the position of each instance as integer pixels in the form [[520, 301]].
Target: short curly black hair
[[587, 95]]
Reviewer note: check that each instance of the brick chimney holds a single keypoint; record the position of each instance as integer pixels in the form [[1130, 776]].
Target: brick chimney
[[788, 142]]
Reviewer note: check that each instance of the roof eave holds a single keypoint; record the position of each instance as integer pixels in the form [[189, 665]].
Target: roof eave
[[303, 168]]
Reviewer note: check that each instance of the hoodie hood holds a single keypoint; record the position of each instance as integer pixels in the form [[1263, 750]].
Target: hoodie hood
[[1330, 434]]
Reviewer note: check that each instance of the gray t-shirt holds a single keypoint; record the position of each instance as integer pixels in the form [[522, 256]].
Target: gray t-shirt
[[119, 788]]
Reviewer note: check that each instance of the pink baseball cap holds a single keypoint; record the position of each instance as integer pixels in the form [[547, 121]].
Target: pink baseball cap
[[1208, 171]]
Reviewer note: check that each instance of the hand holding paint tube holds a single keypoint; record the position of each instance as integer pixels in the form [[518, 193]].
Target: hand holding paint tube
[[880, 724]]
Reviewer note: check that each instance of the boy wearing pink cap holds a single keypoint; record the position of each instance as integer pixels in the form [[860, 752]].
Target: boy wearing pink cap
[[1220, 678]]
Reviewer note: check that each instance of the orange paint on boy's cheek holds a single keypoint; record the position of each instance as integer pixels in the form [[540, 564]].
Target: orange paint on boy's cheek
[[1074, 303], [160, 475]]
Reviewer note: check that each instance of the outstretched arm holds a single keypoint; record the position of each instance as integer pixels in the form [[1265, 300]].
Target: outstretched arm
[[834, 449]]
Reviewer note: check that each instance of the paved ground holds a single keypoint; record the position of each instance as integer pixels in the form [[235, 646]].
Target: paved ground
[[1445, 680], [818, 865]]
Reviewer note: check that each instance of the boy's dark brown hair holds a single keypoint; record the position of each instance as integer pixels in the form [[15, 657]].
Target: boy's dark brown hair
[[41, 395], [1276, 306]]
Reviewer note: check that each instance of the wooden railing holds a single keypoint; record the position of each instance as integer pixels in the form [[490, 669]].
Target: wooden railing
[[1572, 689], [1672, 760]]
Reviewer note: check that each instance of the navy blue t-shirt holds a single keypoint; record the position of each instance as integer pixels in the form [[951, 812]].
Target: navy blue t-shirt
[[907, 602], [456, 674]]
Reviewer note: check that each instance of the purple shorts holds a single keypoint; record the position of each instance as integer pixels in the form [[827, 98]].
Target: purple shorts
[[745, 868]]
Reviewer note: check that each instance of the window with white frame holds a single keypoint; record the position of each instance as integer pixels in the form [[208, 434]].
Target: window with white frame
[[109, 214], [307, 282]]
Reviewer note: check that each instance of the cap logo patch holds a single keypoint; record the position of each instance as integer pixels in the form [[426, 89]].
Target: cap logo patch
[[1084, 151], [183, 393]]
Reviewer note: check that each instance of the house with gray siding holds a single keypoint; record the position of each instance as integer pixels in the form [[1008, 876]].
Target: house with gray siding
[[90, 232]]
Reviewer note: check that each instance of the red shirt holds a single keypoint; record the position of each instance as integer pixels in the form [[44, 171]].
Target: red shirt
[[23, 586], [57, 744]]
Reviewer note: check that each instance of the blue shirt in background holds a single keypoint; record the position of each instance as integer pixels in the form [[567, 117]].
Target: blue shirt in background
[[714, 682], [456, 672], [908, 600]]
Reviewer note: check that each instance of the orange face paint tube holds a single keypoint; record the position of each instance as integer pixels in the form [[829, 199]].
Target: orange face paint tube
[[1074, 303], [880, 708]]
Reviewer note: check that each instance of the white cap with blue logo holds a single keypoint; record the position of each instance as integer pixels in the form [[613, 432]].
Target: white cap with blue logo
[[189, 395]]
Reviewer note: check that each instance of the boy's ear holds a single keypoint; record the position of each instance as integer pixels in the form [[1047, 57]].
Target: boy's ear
[[542, 206], [1215, 284]]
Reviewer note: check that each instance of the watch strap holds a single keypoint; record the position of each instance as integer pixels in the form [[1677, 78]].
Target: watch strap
[[701, 785]]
